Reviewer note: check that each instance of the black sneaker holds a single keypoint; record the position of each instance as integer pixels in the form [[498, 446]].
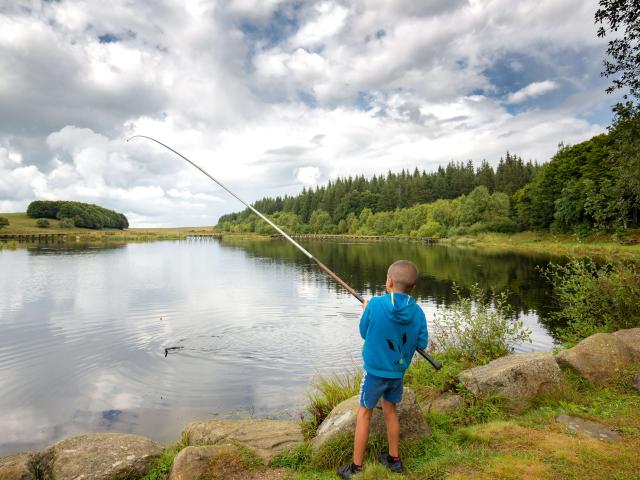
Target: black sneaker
[[347, 471], [394, 465]]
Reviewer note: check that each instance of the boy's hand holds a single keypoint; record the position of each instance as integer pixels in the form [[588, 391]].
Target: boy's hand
[[364, 304]]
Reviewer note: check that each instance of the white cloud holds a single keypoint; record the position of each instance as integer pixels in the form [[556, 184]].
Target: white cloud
[[270, 96], [308, 175], [534, 89]]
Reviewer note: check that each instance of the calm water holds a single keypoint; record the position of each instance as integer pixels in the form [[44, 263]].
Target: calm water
[[83, 330]]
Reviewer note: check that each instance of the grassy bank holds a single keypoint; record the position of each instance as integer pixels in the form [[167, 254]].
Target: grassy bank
[[539, 242], [627, 246], [484, 440], [21, 224]]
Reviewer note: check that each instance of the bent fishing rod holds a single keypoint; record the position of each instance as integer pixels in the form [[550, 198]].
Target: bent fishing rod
[[436, 364]]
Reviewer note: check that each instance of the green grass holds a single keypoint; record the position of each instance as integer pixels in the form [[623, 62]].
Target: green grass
[[555, 244], [162, 466], [326, 393], [485, 440]]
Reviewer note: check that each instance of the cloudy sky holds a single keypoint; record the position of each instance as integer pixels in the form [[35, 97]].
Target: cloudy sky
[[273, 95]]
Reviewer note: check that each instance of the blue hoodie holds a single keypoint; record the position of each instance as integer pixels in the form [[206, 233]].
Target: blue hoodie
[[392, 327]]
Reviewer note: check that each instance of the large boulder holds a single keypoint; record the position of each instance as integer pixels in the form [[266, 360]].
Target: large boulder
[[518, 377], [102, 456], [267, 437], [343, 419], [16, 467], [602, 355], [630, 338], [192, 463]]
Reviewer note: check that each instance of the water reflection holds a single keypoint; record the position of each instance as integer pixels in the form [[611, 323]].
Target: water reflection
[[84, 328]]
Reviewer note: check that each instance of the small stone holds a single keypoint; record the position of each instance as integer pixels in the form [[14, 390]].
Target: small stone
[[446, 402], [593, 429], [636, 384], [343, 419], [267, 437], [16, 467]]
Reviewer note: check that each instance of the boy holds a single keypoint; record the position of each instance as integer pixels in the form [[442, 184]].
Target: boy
[[392, 327]]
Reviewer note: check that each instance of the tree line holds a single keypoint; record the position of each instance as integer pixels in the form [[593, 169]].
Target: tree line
[[594, 185], [78, 214], [332, 208]]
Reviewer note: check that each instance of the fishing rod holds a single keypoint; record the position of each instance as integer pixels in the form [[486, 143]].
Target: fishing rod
[[436, 364]]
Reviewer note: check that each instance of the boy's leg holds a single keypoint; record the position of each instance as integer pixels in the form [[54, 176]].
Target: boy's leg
[[362, 434], [393, 427]]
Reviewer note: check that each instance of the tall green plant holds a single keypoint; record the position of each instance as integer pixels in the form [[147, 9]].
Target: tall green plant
[[479, 327], [594, 298]]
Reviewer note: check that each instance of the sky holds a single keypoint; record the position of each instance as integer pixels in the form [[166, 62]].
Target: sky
[[271, 96]]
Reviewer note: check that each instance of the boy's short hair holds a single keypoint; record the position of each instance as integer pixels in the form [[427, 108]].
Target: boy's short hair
[[404, 274]]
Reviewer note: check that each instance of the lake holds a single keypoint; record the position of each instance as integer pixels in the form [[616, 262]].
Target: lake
[[84, 328]]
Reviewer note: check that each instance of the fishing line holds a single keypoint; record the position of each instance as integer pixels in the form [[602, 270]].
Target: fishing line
[[436, 364]]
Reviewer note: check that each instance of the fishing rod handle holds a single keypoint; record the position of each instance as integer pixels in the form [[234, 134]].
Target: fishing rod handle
[[435, 363]]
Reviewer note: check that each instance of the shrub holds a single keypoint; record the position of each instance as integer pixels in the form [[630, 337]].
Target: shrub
[[42, 223], [431, 229], [479, 328], [478, 227], [503, 225], [594, 298], [4, 222], [66, 223]]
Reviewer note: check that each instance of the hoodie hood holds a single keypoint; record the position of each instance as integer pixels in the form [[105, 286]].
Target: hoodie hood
[[400, 307]]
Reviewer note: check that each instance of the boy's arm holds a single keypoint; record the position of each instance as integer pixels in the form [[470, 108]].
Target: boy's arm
[[365, 320], [423, 335]]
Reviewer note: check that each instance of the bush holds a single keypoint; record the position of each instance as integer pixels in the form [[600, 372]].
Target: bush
[[4, 222], [431, 229], [479, 328], [66, 223], [503, 225], [42, 223], [594, 298], [478, 227]]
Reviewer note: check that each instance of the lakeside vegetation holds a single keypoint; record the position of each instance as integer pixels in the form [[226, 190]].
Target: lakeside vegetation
[[21, 224]]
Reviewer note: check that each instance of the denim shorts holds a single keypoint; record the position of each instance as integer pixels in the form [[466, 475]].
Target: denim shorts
[[372, 388]]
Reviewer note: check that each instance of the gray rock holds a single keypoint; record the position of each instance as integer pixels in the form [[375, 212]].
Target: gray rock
[[16, 467], [517, 377], [343, 419], [191, 463], [630, 338], [267, 437], [446, 402], [595, 430], [599, 356], [102, 456], [636, 382]]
